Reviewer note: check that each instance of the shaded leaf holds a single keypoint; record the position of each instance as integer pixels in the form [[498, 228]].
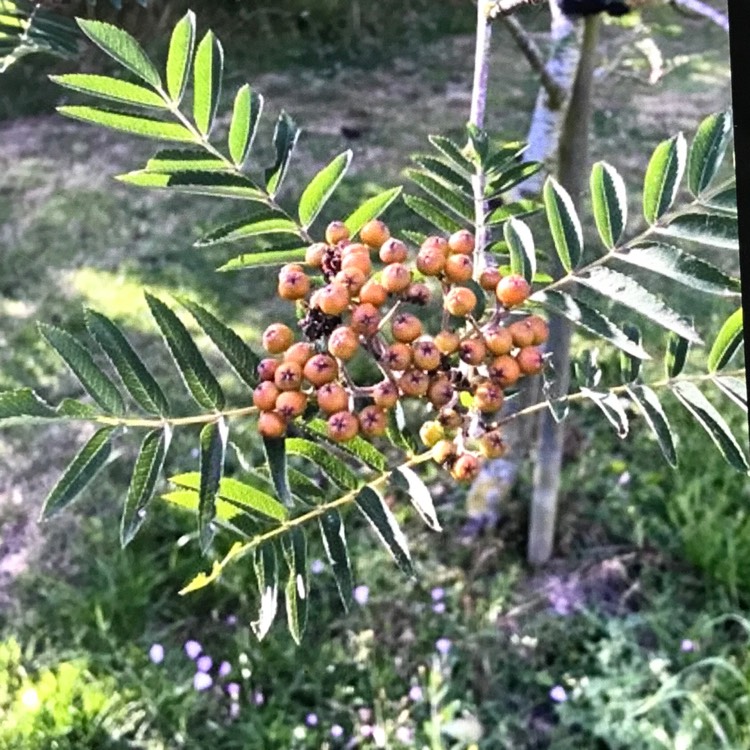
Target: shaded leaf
[[610, 406], [442, 169], [321, 187], [630, 366], [714, 230], [563, 223], [663, 176], [707, 150], [356, 447], [170, 160], [712, 422], [23, 402], [523, 207], [386, 527], [180, 56], [297, 589], [429, 212], [676, 355], [371, 209], [284, 139], [266, 569], [727, 342], [452, 151], [270, 258], [122, 47], [110, 88], [650, 407], [240, 356], [200, 381], [304, 488], [513, 176], [521, 246], [397, 432], [609, 199], [733, 388], [134, 374], [626, 291], [146, 472], [333, 467], [213, 444], [445, 194], [334, 541], [212, 183], [248, 106], [82, 469], [724, 200], [81, 363], [275, 449], [420, 496], [134, 124]]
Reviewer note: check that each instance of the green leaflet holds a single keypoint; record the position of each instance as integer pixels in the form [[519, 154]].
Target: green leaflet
[[146, 473], [113, 89], [460, 205], [284, 140], [513, 176], [239, 355], [521, 246], [269, 258], [123, 48], [180, 56], [675, 355], [297, 589], [81, 363], [431, 213], [333, 467], [334, 541], [630, 367], [663, 176], [707, 150], [609, 199], [82, 469], [200, 381], [357, 447], [275, 449], [208, 69], [735, 389], [134, 374], [650, 407], [262, 222], [442, 169], [386, 527], [452, 152], [610, 406], [523, 207], [321, 188], [246, 113], [213, 443], [727, 342], [712, 422], [23, 402], [564, 224], [371, 209], [419, 495], [212, 183], [133, 124], [714, 230], [266, 568], [620, 288], [170, 160]]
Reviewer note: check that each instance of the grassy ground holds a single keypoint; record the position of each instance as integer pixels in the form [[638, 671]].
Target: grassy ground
[[628, 628]]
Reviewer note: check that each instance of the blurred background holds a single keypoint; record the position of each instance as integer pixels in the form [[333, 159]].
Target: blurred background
[[635, 636]]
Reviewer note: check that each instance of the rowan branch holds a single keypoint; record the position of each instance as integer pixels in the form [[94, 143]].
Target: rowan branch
[[699, 8], [500, 8]]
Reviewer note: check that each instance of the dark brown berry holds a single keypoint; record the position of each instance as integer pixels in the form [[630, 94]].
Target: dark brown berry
[[414, 383], [365, 319], [472, 351]]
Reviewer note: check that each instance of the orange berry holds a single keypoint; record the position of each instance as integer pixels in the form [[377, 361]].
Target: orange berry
[[472, 351], [372, 421], [522, 333], [321, 369], [336, 232], [492, 445], [488, 397], [271, 424], [440, 391], [288, 376], [443, 451], [360, 260], [466, 468], [417, 294], [351, 278], [354, 248], [385, 394], [342, 426], [293, 287], [461, 242], [504, 370], [489, 279], [396, 277], [436, 243], [447, 342], [530, 360], [430, 261], [365, 319], [425, 354], [299, 353], [343, 343], [414, 383], [314, 254], [374, 293], [499, 340], [460, 301], [333, 299], [265, 395], [458, 268], [512, 290], [291, 404], [374, 233], [393, 251], [267, 368], [277, 338], [406, 327], [540, 328], [398, 356], [332, 397]]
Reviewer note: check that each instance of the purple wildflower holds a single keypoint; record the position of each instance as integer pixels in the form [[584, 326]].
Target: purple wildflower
[[231, 620], [233, 690], [258, 698], [337, 731], [193, 649], [202, 681], [405, 735], [234, 710], [317, 567], [224, 668], [361, 595], [204, 663], [437, 593], [443, 646], [438, 608], [311, 720], [558, 694], [156, 653], [415, 693], [687, 645]]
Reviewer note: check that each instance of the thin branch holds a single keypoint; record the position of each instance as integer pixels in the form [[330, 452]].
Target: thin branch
[[698, 8], [502, 8], [533, 55], [173, 421]]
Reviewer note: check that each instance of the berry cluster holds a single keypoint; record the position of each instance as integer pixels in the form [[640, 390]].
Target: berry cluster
[[463, 371]]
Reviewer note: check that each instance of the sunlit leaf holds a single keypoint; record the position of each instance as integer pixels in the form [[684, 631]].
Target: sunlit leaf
[[727, 342], [180, 56], [564, 224], [248, 106], [610, 204], [113, 89], [650, 407], [663, 176], [208, 68], [371, 209], [133, 124], [707, 150], [321, 188], [332, 466], [712, 229]]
